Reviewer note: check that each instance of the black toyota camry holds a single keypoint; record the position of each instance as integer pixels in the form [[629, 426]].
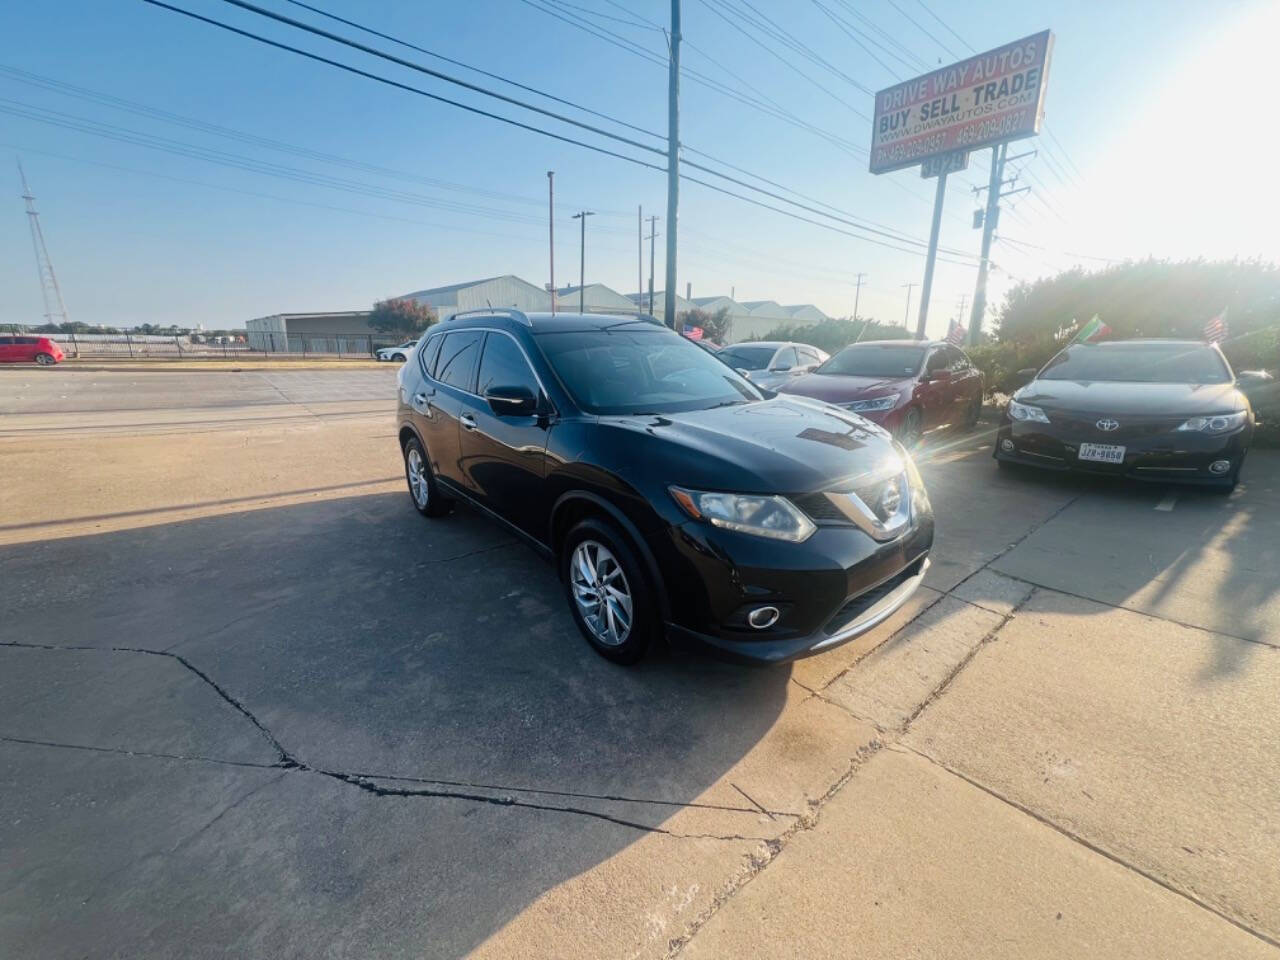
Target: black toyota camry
[[673, 495], [1167, 410]]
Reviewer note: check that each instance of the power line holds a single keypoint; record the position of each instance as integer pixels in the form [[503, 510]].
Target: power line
[[849, 32], [438, 75], [923, 29], [466, 66], [604, 16], [888, 37], [402, 86], [787, 63], [842, 217], [946, 26]]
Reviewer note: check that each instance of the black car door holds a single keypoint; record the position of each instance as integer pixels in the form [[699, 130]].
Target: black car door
[[503, 452], [439, 409]]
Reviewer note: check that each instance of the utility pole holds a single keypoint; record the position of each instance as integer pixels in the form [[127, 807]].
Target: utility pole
[[640, 252], [964, 299], [857, 295], [673, 165], [907, 316], [582, 259], [988, 227], [653, 233], [551, 228], [49, 289], [932, 256]]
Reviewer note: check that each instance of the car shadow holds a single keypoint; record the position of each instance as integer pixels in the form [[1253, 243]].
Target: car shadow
[[1186, 554], [422, 736]]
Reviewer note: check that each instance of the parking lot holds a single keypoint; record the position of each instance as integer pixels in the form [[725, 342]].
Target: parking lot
[[251, 704]]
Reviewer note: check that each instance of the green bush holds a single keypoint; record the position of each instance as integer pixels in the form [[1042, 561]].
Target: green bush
[[1000, 362]]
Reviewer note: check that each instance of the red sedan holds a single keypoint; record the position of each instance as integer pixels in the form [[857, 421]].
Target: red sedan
[[909, 387], [19, 348]]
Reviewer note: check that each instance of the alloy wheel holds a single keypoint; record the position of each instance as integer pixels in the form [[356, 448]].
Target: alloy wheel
[[44, 359], [601, 591], [418, 484]]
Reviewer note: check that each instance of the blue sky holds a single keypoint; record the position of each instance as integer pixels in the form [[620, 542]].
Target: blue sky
[[1143, 100]]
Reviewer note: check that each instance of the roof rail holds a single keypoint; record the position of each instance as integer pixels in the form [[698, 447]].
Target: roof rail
[[519, 316]]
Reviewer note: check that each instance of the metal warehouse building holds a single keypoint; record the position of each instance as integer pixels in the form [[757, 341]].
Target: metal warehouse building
[[345, 331], [505, 291]]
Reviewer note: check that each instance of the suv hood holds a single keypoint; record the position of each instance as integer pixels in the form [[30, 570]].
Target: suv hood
[[1136, 399], [786, 445], [837, 388]]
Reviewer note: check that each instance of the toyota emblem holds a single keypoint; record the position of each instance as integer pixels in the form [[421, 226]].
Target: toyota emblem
[[1107, 425]]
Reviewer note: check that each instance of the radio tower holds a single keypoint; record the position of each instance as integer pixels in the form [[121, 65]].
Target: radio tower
[[55, 311]]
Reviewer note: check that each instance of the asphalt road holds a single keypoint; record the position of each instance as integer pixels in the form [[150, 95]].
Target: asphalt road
[[252, 704]]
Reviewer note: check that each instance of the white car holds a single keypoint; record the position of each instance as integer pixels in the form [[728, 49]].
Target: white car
[[399, 353], [771, 363]]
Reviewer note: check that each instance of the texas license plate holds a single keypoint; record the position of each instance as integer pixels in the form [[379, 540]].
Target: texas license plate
[[1102, 452]]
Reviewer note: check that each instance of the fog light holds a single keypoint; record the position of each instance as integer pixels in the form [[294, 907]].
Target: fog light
[[1006, 445], [762, 618], [1220, 466]]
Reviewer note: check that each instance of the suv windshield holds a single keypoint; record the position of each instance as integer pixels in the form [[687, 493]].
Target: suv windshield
[[873, 360], [639, 368], [1139, 363], [748, 358]]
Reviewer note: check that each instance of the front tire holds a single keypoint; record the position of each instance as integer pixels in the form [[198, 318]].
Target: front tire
[[423, 490], [911, 429], [45, 359], [608, 594], [398, 357]]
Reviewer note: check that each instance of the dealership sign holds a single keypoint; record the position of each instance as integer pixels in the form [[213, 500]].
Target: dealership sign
[[989, 98]]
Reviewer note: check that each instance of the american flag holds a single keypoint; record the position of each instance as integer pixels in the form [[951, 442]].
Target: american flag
[[955, 334], [1215, 331]]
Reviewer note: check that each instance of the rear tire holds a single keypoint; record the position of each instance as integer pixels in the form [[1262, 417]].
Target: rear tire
[[398, 357], [608, 593], [423, 490], [973, 414], [45, 359]]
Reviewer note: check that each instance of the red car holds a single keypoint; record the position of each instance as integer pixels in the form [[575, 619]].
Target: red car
[[909, 387], [20, 348]]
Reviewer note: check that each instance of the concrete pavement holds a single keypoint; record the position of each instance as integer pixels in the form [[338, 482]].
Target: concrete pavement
[[251, 703]]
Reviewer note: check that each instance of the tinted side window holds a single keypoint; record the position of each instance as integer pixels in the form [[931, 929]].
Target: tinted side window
[[808, 356], [6, 341], [457, 362], [427, 355], [30, 340], [786, 359], [937, 361], [956, 362], [503, 365]]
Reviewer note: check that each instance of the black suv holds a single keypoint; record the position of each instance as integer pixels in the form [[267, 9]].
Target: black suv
[[674, 496]]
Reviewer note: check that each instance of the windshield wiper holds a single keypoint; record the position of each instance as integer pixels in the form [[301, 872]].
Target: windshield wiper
[[726, 403]]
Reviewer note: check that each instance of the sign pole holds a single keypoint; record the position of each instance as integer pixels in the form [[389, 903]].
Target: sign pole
[[673, 165], [933, 254]]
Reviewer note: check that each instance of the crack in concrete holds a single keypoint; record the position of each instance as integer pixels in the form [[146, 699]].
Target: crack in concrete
[[768, 851], [287, 762], [1085, 842]]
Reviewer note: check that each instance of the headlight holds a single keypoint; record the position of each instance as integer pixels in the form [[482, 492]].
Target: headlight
[[1221, 423], [773, 517], [1025, 413], [879, 403]]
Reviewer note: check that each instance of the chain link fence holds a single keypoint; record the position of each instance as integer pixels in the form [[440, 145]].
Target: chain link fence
[[141, 346]]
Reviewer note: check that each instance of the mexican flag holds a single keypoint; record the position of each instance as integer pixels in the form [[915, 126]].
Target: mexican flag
[[1095, 329]]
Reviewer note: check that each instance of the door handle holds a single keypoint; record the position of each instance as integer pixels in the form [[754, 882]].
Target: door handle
[[468, 421], [422, 402]]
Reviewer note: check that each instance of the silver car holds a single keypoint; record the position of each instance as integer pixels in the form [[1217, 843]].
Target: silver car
[[771, 363]]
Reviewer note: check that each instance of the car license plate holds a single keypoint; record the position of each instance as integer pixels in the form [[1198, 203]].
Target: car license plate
[[1102, 452]]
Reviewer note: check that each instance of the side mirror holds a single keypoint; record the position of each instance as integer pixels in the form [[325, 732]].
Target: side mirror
[[512, 401], [743, 372]]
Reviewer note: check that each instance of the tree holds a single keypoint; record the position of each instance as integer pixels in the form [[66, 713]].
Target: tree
[[402, 317], [715, 326]]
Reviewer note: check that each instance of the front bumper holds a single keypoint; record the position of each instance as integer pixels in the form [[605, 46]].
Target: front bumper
[[836, 585], [1152, 453]]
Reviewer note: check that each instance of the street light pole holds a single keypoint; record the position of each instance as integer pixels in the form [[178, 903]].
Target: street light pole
[[581, 216], [653, 234], [551, 229], [907, 317]]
